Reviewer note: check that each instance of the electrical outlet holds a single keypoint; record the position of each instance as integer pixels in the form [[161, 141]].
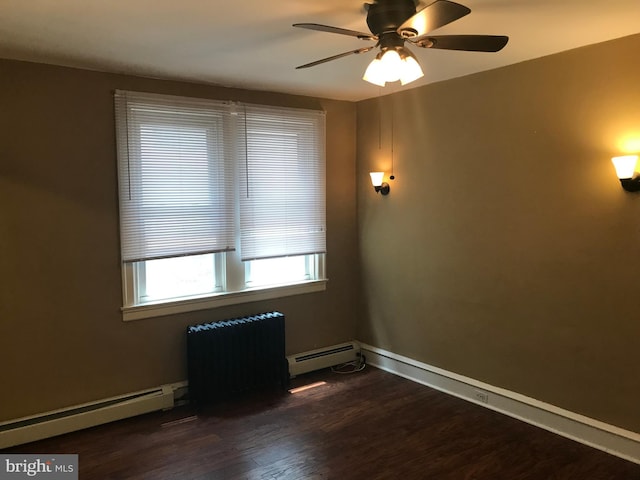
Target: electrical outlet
[[481, 396]]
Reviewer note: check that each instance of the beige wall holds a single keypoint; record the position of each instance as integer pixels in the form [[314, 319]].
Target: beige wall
[[62, 340], [506, 250]]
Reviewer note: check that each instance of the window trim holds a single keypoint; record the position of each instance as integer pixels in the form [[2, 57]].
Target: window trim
[[206, 301], [222, 299]]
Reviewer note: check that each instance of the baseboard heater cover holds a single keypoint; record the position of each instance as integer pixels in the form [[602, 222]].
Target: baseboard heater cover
[[322, 358], [58, 422]]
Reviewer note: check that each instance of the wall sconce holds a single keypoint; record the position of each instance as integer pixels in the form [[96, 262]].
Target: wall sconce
[[378, 184], [625, 169]]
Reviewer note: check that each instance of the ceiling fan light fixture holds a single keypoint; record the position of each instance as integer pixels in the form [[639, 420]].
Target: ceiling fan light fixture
[[391, 65]]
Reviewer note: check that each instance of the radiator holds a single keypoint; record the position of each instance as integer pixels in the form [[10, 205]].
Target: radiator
[[234, 356], [322, 358]]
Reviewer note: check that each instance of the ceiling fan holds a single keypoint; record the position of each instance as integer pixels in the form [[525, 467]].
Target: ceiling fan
[[394, 22]]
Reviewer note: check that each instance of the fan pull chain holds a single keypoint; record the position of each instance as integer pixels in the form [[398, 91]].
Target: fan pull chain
[[392, 177], [379, 118]]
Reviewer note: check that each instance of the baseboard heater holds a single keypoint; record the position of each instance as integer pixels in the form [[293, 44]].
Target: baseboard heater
[[322, 358], [231, 357], [58, 422]]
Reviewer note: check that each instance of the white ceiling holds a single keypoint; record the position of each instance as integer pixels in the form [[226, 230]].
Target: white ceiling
[[251, 44]]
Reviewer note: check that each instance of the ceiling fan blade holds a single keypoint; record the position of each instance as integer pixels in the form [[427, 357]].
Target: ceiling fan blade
[[471, 43], [435, 15], [335, 57], [341, 31]]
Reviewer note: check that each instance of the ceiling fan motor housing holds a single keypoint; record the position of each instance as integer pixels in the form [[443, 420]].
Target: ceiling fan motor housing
[[385, 16]]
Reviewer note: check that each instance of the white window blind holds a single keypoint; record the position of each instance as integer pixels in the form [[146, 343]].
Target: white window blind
[[175, 162], [282, 182]]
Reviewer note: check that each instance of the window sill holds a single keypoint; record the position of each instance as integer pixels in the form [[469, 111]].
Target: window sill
[[150, 310]]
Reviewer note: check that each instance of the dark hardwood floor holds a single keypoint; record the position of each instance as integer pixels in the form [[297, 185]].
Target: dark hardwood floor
[[367, 425]]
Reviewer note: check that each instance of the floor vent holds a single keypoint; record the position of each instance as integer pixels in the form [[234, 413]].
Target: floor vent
[[322, 358]]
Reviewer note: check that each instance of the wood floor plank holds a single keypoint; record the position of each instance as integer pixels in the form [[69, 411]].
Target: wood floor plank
[[368, 425]]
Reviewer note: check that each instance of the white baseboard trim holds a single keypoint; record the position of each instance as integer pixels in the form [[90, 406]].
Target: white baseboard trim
[[78, 417], [594, 433]]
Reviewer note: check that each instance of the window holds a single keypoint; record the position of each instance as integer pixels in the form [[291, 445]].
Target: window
[[274, 271], [176, 277], [219, 202]]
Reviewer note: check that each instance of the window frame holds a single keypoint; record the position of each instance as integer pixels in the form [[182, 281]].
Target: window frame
[[219, 299], [230, 272]]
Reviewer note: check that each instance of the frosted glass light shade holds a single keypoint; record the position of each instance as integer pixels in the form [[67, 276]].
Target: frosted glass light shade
[[391, 65], [410, 70], [625, 165], [375, 73], [376, 178]]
